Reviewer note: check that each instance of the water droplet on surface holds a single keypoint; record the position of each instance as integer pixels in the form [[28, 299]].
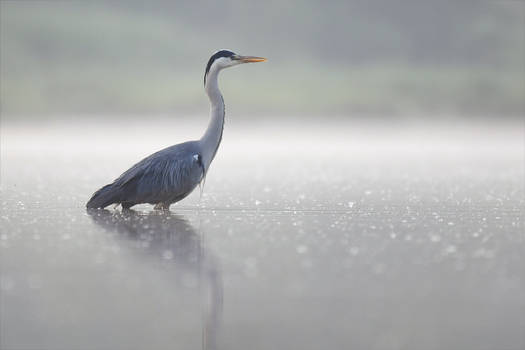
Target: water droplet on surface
[[435, 238], [451, 249], [483, 253], [167, 255], [301, 249]]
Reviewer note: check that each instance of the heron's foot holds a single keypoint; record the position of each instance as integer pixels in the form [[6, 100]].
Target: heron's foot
[[162, 206]]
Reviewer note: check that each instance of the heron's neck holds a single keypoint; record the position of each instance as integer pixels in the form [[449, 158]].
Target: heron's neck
[[212, 137]]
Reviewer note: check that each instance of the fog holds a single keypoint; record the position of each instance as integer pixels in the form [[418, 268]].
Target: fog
[[342, 58]]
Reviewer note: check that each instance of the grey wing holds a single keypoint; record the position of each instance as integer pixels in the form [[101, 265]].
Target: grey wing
[[164, 176]]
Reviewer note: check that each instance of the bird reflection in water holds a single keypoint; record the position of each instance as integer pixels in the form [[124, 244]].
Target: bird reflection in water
[[169, 235]]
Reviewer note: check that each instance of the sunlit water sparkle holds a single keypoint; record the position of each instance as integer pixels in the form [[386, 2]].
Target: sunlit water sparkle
[[357, 235]]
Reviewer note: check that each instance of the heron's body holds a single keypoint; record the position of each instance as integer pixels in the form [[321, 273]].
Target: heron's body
[[171, 174]]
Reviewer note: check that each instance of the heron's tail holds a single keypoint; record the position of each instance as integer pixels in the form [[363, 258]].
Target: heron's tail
[[103, 197]]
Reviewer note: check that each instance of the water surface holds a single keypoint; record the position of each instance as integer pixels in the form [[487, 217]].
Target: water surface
[[357, 235]]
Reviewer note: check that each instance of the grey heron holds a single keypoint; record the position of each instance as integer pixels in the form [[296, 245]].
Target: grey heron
[[169, 175]]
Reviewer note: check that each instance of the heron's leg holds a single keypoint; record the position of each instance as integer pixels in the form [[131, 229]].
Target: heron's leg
[[127, 205], [162, 206]]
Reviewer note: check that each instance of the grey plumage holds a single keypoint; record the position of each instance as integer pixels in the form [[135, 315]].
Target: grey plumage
[[163, 178], [171, 174]]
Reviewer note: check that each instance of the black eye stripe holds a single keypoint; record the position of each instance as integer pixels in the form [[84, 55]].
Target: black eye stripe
[[216, 55]]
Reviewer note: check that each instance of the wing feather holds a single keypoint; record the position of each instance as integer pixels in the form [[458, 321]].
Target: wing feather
[[169, 173]]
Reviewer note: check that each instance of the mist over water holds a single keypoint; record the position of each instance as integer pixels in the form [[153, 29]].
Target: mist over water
[[358, 234], [349, 57]]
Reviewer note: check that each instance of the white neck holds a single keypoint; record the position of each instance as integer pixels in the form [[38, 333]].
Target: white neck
[[212, 137]]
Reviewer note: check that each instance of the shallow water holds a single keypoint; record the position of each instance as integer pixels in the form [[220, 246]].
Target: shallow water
[[358, 235]]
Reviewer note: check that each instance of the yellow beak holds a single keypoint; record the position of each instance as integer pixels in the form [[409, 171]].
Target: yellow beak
[[248, 59]]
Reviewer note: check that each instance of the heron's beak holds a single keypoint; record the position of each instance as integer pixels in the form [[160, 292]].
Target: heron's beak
[[248, 59]]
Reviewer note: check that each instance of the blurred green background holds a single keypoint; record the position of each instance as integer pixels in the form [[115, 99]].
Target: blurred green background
[[73, 58]]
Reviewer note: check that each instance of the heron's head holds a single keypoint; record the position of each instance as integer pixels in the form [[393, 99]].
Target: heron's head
[[226, 58]]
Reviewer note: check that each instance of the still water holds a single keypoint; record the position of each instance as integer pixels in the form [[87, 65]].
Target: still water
[[358, 235]]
